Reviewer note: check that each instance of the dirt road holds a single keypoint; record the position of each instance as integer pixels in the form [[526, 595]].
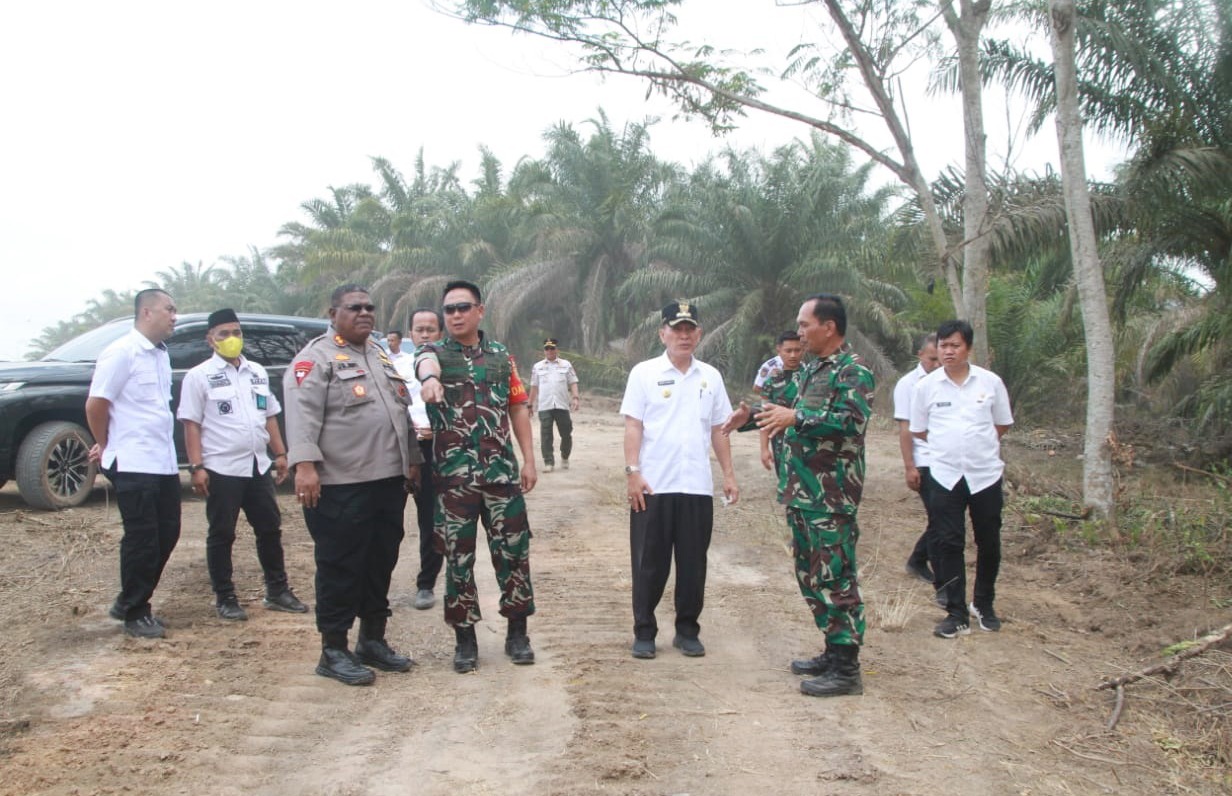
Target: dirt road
[[234, 708]]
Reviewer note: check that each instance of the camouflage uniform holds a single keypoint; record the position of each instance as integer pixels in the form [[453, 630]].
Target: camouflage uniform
[[477, 476], [779, 387], [820, 482]]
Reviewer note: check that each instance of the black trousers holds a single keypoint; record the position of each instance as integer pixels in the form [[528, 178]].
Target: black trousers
[[671, 523], [356, 530], [431, 549], [563, 422], [255, 495], [949, 539], [150, 510], [919, 554]]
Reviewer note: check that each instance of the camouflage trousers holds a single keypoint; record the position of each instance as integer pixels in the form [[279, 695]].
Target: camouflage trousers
[[502, 509], [824, 546]]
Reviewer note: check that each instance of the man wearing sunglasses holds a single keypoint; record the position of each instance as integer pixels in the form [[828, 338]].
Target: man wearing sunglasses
[[474, 399], [553, 393], [349, 443]]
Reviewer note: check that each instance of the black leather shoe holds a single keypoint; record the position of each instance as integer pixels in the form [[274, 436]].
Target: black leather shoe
[[643, 648], [466, 653], [378, 654], [690, 646], [812, 666], [231, 610], [518, 648], [284, 600], [342, 666], [841, 679], [144, 627]]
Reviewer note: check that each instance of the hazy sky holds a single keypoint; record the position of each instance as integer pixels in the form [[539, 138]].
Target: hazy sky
[[139, 135]]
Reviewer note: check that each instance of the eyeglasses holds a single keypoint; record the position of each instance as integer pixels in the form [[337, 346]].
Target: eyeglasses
[[459, 308], [359, 307], [549, 348]]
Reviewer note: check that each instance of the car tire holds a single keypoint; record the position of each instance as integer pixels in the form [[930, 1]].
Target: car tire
[[53, 466]]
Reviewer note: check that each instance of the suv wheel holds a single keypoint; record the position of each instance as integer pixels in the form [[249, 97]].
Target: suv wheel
[[53, 466]]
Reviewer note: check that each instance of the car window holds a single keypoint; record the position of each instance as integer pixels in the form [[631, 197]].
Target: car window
[[273, 347], [187, 347], [86, 347]]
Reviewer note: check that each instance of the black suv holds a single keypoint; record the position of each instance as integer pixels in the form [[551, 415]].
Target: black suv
[[44, 439]]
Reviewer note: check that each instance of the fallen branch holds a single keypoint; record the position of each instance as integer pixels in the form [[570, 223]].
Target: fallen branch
[[1169, 668], [1207, 473], [1116, 711]]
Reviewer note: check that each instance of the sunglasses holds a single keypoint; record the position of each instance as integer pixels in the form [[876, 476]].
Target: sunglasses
[[459, 308], [359, 307], [549, 348]]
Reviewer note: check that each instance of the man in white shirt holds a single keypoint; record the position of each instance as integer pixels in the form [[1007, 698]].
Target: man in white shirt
[[915, 451], [674, 407], [553, 393], [962, 410], [427, 325], [230, 425], [401, 359], [129, 414]]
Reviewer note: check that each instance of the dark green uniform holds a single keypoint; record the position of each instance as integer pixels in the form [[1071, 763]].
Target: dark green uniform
[[821, 479], [477, 476], [779, 388]]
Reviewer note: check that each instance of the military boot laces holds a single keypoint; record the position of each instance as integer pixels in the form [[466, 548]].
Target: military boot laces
[[812, 667], [843, 676], [517, 644], [466, 653]]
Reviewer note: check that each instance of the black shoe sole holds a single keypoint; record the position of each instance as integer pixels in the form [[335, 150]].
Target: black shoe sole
[[465, 667], [273, 606], [855, 690], [331, 674]]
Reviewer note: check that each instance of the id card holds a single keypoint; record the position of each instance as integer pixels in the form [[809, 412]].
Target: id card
[[261, 401]]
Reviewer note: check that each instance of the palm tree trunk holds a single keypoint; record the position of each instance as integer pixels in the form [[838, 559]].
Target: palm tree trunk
[[1098, 487]]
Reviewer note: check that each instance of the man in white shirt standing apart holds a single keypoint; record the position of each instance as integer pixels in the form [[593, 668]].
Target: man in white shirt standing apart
[[553, 394], [962, 410], [230, 426], [129, 414], [915, 451], [674, 407]]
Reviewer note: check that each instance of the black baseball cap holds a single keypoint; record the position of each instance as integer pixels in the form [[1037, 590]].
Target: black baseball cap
[[680, 312]]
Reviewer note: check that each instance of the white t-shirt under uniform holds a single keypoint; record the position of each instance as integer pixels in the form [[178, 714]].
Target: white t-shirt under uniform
[[134, 375], [677, 411], [232, 405], [961, 421], [903, 392]]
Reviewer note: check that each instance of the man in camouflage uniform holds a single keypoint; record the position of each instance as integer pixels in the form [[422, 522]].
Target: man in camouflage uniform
[[349, 442], [820, 484], [778, 386], [474, 397]]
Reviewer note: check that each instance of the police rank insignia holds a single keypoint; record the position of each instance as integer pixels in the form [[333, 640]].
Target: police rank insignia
[[338, 341]]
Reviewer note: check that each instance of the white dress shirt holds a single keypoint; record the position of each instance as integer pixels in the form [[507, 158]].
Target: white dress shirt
[[961, 421], [552, 380], [134, 375], [903, 392], [404, 363], [231, 404], [677, 411]]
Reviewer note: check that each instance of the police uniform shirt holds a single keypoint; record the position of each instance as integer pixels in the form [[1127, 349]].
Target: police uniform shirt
[[231, 404], [134, 375], [903, 392], [961, 421], [552, 380], [346, 410], [677, 411]]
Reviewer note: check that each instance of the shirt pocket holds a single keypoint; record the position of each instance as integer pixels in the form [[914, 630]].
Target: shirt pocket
[[356, 387], [146, 382]]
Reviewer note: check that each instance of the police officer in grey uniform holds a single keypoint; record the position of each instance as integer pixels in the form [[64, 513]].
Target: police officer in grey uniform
[[349, 443]]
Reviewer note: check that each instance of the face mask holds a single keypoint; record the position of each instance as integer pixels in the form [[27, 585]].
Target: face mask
[[230, 347]]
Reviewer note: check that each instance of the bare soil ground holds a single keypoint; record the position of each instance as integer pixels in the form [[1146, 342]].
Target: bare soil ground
[[234, 708]]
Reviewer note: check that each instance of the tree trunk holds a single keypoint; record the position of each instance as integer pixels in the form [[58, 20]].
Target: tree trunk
[[1098, 487], [966, 28]]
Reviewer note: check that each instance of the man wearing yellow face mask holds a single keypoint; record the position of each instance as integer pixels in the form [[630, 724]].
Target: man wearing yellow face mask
[[230, 427]]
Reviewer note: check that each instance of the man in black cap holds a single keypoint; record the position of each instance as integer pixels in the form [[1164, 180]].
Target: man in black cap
[[674, 407], [230, 427], [554, 393]]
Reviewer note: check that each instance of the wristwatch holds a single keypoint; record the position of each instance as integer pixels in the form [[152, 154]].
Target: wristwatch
[[630, 469], [193, 468]]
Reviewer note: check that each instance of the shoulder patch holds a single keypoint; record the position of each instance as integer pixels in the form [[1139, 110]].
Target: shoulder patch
[[301, 370]]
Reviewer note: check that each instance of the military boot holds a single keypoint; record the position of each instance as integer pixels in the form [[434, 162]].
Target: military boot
[[843, 676], [813, 667], [466, 653], [372, 649], [339, 663], [517, 644]]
